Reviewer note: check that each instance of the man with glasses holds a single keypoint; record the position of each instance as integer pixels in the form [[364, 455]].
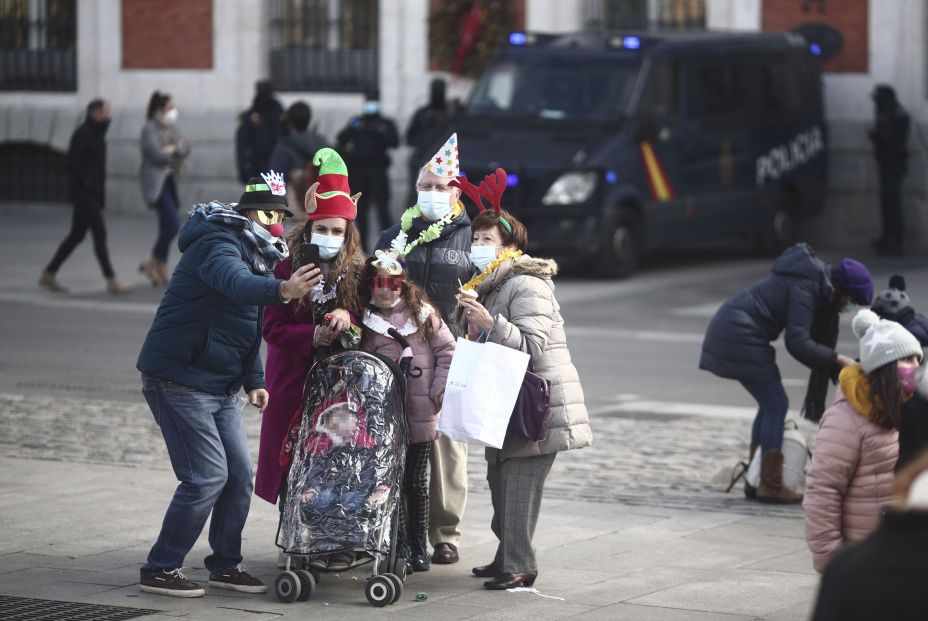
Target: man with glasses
[[435, 238], [202, 348]]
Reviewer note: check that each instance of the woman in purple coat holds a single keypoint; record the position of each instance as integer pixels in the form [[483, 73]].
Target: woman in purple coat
[[299, 332]]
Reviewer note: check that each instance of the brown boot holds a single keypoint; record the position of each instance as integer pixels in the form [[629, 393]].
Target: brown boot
[[152, 269], [750, 492], [163, 275], [47, 280], [115, 287], [771, 488]]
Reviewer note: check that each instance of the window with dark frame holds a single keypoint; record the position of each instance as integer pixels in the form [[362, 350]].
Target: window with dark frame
[[324, 45], [38, 45]]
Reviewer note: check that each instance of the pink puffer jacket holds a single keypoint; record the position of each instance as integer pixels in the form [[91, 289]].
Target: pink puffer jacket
[[850, 481], [423, 393]]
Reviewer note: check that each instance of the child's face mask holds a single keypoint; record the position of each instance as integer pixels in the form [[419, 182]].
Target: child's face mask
[[907, 377]]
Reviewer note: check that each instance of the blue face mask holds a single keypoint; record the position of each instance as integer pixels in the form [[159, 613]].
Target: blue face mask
[[371, 107], [482, 256]]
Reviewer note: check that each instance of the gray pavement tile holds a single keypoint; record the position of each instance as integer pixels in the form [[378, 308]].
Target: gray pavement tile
[[630, 612], [737, 592], [797, 612], [799, 561], [522, 605]]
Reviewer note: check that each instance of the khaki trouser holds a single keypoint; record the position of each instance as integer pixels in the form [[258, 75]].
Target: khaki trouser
[[447, 490]]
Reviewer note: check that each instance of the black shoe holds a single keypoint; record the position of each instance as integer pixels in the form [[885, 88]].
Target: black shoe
[[486, 571], [172, 583], [511, 581], [445, 554], [237, 579]]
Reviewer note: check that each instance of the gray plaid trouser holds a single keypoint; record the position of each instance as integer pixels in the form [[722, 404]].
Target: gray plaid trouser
[[516, 487]]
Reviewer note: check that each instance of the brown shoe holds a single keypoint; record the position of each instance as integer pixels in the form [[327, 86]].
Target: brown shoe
[[47, 280], [445, 554], [771, 488], [237, 579], [115, 287], [171, 583]]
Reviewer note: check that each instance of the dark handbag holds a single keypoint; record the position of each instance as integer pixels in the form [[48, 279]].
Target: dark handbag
[[530, 414]]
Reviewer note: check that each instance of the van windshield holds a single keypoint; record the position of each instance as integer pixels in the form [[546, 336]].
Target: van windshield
[[555, 88]]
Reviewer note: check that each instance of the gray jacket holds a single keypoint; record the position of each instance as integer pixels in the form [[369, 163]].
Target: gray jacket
[[156, 165], [528, 318]]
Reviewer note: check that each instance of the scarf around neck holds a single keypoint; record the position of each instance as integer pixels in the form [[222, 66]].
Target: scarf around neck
[[268, 251]]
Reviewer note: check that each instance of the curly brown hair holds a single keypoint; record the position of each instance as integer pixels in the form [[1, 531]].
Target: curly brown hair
[[349, 261], [411, 294], [886, 395]]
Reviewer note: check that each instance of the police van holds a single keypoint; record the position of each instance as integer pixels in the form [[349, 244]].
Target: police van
[[622, 143]]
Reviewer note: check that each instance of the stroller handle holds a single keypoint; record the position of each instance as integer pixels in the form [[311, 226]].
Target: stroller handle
[[405, 357]]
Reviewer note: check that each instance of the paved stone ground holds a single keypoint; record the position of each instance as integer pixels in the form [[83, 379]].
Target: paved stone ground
[[677, 462]]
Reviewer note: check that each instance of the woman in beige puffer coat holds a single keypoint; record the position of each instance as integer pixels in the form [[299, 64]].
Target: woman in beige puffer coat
[[515, 307], [851, 478]]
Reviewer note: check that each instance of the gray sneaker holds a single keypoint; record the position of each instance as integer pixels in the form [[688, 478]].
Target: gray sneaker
[[237, 579], [172, 583]]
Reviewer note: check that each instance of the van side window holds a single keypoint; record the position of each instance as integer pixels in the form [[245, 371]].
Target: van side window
[[720, 91], [661, 96], [781, 84]]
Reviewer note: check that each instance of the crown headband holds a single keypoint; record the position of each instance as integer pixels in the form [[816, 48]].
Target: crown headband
[[491, 189]]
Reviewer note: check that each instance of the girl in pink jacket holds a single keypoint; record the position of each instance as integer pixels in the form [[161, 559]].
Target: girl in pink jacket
[[393, 301], [851, 478]]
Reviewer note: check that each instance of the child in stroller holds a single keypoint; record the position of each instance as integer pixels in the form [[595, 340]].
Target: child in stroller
[[345, 452]]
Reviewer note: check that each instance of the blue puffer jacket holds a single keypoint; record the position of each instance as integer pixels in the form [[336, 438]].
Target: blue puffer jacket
[[207, 331], [737, 342]]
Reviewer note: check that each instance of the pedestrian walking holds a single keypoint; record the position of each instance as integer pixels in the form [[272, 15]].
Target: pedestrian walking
[[894, 304], [433, 238], [203, 346], [890, 135], [257, 131], [427, 124], [803, 297], [293, 155], [164, 151], [516, 307], [299, 333], [365, 142], [86, 165], [393, 302], [850, 481], [883, 575]]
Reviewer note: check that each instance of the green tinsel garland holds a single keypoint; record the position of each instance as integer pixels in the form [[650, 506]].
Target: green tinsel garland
[[446, 24]]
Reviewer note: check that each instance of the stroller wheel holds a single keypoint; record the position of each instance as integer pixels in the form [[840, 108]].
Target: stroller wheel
[[380, 591], [287, 586], [397, 586], [399, 568], [307, 584]]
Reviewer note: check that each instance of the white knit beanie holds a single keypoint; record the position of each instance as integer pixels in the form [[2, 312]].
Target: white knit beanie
[[882, 341]]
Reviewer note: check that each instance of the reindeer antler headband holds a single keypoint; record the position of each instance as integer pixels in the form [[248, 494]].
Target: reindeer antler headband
[[491, 188]]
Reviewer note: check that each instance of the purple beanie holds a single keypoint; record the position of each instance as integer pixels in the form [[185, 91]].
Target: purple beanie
[[854, 279]]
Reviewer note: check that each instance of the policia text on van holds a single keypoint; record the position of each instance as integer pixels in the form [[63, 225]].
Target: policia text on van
[[620, 143]]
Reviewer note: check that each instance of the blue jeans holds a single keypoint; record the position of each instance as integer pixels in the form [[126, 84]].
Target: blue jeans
[[772, 404], [205, 438], [168, 220]]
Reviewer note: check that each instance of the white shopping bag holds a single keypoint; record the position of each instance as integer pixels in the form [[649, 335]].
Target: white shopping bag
[[483, 384]]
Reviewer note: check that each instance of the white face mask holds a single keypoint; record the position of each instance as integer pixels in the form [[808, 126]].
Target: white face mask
[[482, 256], [170, 117], [264, 234], [329, 246], [434, 205], [849, 308]]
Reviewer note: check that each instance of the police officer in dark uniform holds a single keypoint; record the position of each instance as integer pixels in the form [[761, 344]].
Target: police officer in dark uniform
[[364, 143], [426, 125], [889, 137]]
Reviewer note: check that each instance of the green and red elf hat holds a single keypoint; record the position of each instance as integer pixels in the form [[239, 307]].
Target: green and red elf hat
[[330, 196]]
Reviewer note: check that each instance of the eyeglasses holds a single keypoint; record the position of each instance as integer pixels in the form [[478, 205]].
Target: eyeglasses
[[270, 217], [393, 283]]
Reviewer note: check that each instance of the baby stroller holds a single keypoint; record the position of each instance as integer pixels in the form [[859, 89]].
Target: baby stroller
[[348, 449]]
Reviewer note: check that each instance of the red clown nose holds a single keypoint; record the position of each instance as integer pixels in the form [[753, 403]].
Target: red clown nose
[[276, 230]]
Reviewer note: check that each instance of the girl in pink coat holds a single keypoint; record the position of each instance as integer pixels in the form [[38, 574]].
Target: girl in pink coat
[[393, 301], [851, 478]]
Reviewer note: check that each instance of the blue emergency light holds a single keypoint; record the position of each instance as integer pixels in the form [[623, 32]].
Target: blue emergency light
[[631, 43], [611, 177], [517, 38], [816, 49], [512, 180]]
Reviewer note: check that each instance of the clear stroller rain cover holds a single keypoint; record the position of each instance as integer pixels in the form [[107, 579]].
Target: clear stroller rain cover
[[345, 478]]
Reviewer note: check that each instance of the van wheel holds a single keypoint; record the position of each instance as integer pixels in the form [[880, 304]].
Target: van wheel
[[783, 226], [620, 251]]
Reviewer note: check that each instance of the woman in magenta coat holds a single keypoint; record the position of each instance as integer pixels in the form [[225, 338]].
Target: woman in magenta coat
[[299, 332]]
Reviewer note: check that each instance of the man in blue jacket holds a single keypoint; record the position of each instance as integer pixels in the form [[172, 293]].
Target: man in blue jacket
[[203, 346]]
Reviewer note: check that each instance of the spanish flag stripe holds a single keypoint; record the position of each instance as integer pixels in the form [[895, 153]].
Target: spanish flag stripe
[[657, 177]]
